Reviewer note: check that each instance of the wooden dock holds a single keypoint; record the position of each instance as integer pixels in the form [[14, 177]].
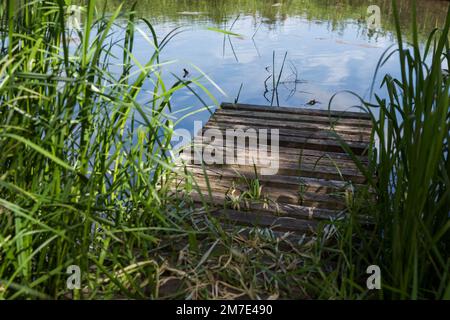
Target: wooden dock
[[314, 172]]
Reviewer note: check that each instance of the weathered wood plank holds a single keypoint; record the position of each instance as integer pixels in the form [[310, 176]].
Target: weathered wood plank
[[324, 134], [289, 238], [273, 115], [308, 143], [309, 184], [264, 220], [335, 157], [291, 110], [251, 155], [275, 195], [279, 209], [304, 170], [287, 124]]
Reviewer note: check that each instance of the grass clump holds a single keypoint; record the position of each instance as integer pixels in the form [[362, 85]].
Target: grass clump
[[85, 171], [410, 172]]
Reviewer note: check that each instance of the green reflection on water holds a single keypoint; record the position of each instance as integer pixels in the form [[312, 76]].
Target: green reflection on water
[[337, 12]]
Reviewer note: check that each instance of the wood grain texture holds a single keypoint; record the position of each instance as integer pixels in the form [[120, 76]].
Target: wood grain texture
[[314, 176], [307, 111]]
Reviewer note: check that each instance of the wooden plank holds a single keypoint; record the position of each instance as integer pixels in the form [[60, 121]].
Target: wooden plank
[[291, 110], [304, 170], [287, 124], [274, 115], [218, 200], [324, 134], [264, 220], [308, 143], [310, 184], [283, 209], [339, 157], [253, 156], [288, 238], [275, 195], [269, 189]]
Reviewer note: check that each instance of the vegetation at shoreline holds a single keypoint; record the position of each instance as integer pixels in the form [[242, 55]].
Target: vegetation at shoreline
[[86, 176], [84, 165], [412, 173], [414, 167], [337, 13]]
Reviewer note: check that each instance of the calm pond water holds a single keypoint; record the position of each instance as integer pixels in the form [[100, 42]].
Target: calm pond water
[[327, 44]]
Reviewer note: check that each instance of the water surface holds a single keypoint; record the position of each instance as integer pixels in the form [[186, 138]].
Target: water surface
[[328, 46]]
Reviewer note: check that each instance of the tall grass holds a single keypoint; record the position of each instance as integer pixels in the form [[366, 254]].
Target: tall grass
[[84, 169], [411, 240]]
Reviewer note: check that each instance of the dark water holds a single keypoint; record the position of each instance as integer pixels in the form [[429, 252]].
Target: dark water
[[328, 46]]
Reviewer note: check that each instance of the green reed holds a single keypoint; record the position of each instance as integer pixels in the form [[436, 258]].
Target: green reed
[[411, 169], [85, 172]]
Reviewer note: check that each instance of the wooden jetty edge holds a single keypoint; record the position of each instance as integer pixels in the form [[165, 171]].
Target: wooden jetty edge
[[314, 172]]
